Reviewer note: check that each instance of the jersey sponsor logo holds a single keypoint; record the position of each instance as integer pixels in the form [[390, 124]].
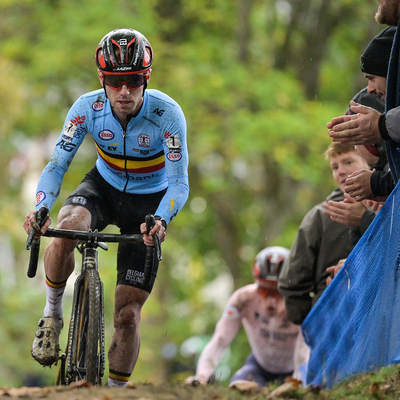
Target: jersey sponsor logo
[[66, 146], [78, 120], [142, 178], [144, 152], [230, 312], [69, 132], [106, 135], [98, 105], [173, 216], [174, 156], [158, 112], [167, 134], [79, 200], [281, 336], [143, 140], [174, 144], [134, 276], [79, 132], [40, 196]]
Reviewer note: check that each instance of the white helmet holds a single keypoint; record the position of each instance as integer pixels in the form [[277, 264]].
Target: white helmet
[[268, 264]]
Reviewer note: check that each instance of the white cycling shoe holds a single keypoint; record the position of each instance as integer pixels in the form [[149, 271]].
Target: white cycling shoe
[[45, 348]]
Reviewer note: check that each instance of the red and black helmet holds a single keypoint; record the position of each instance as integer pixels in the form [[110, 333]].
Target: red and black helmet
[[124, 51], [268, 264]]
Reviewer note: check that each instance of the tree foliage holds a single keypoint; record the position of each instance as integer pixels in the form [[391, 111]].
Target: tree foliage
[[257, 80]]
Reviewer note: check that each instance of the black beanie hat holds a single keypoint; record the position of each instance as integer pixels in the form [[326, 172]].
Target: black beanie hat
[[375, 60]]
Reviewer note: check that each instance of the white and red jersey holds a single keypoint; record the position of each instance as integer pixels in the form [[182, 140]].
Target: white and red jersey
[[271, 335]]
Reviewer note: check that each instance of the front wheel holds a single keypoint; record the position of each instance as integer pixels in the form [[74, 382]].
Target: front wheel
[[87, 360]]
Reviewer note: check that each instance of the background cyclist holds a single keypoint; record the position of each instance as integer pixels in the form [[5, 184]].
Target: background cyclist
[[261, 311]]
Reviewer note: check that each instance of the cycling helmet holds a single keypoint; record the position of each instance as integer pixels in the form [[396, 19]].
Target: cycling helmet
[[268, 264], [124, 52]]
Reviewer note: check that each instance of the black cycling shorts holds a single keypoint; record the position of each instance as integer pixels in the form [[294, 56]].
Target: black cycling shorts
[[109, 206]]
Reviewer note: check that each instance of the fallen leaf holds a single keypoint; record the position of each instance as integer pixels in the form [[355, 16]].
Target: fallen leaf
[[373, 389], [81, 384], [294, 381], [284, 389], [243, 385]]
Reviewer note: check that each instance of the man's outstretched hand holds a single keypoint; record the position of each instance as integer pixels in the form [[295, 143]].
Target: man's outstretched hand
[[360, 128]]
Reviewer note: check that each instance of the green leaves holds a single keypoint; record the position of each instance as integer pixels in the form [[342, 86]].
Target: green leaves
[[257, 83]]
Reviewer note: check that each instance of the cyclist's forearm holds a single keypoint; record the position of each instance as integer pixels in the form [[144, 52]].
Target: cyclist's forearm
[[49, 185], [225, 331], [174, 199], [208, 361]]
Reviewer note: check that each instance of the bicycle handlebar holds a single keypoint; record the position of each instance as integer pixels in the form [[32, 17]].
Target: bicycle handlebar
[[94, 236], [89, 237]]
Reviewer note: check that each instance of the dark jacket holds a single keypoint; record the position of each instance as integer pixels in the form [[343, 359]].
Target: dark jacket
[[320, 243]]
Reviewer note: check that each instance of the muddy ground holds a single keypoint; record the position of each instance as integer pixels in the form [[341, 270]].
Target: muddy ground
[[135, 392], [384, 384]]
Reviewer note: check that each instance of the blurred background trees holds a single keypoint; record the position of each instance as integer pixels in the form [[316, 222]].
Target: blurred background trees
[[257, 80]]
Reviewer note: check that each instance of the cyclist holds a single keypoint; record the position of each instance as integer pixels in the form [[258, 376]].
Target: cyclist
[[261, 311], [141, 168]]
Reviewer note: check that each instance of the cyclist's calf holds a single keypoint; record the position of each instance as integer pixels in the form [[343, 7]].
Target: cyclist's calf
[[128, 306]]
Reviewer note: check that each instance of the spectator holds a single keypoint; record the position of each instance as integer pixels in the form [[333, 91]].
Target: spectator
[[367, 184], [376, 182], [320, 242], [368, 126], [356, 215]]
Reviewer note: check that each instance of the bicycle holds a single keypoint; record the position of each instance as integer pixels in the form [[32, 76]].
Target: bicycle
[[84, 357]]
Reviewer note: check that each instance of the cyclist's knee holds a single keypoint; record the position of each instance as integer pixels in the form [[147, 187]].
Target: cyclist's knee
[[127, 317], [74, 217]]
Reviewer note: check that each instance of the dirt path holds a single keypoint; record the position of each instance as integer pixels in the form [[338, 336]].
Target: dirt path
[[138, 392]]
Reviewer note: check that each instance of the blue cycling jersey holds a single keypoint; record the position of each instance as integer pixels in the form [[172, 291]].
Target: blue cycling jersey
[[148, 157]]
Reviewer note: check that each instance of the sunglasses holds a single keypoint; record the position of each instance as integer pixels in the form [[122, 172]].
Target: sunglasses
[[267, 292], [131, 81]]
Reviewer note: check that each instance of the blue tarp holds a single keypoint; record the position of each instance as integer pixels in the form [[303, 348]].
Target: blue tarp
[[355, 325]]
